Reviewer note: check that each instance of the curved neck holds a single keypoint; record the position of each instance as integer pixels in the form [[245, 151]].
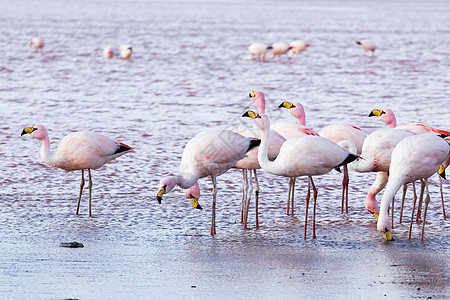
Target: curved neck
[[263, 152], [185, 182], [46, 155]]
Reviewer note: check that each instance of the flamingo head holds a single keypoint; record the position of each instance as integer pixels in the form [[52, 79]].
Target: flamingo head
[[193, 193], [296, 110], [387, 116], [37, 131], [261, 121], [259, 100], [384, 226], [165, 186]]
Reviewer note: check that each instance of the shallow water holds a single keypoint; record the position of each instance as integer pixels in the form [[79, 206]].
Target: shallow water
[[187, 73]]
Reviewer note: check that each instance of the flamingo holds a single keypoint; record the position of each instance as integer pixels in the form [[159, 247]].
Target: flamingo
[[280, 48], [339, 132], [300, 156], [367, 46], [125, 51], [193, 194], [250, 163], [387, 116], [37, 43], [414, 158], [209, 153], [259, 50], [107, 52], [376, 157], [78, 151], [298, 46], [289, 130]]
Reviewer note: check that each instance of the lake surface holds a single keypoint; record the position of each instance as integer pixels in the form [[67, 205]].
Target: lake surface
[[188, 73]]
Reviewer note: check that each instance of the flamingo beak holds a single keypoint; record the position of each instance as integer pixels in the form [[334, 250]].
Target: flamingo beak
[[194, 202], [376, 112], [387, 235], [252, 94], [374, 214], [441, 171], [286, 104], [161, 192], [251, 114], [28, 130]]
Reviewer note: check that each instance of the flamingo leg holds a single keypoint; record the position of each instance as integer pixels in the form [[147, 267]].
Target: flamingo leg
[[392, 212], [81, 191], [345, 181], [442, 197], [256, 199], [292, 195], [244, 193], [314, 211], [289, 196], [419, 206], [413, 209], [427, 200], [405, 186], [90, 193], [308, 195], [249, 196], [213, 210]]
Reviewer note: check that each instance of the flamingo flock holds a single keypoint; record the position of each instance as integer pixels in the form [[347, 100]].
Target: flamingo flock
[[399, 154]]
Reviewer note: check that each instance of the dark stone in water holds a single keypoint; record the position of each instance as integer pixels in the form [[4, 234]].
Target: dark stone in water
[[71, 245]]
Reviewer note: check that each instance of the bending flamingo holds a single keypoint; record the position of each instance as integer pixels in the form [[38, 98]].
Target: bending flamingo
[[414, 158], [298, 46], [259, 50], [367, 46], [107, 52], [37, 43], [210, 153], [125, 51], [313, 156], [280, 48], [78, 151]]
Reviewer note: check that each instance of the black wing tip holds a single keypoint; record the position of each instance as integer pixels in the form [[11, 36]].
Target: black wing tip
[[347, 160], [122, 148], [253, 144]]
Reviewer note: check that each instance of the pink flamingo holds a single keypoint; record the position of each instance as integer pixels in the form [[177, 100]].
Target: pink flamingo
[[314, 155], [298, 46], [210, 153], [37, 43], [367, 46], [376, 157], [108, 52], [250, 163], [280, 48], [125, 51], [259, 50], [78, 151], [414, 158], [289, 130], [387, 116], [339, 132]]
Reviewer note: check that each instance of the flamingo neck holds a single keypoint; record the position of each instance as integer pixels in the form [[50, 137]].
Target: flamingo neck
[[185, 182], [46, 154], [299, 113], [263, 152]]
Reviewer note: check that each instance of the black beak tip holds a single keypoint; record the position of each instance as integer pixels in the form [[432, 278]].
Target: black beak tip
[[199, 206], [23, 132], [371, 114], [159, 199], [281, 105]]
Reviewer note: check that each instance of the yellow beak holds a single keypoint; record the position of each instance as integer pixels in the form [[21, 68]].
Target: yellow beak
[[286, 104], [160, 193], [252, 94], [376, 112], [441, 171], [251, 114], [387, 235], [194, 202], [28, 130]]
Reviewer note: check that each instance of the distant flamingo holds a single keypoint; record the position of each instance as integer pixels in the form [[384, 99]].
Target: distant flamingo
[[125, 51], [209, 153], [107, 52], [367, 46], [415, 157], [37, 43], [280, 48], [78, 151], [298, 46], [259, 50], [313, 156]]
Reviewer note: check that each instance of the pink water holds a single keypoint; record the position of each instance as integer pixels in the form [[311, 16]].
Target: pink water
[[187, 73]]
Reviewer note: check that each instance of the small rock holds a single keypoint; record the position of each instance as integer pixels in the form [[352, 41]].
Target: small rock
[[71, 245]]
